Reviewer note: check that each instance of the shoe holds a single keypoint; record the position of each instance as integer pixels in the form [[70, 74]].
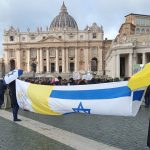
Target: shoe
[[17, 119]]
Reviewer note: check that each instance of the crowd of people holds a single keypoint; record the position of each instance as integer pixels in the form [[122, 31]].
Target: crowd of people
[[60, 81]]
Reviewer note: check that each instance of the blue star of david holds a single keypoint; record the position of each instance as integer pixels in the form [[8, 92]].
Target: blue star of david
[[81, 109], [9, 74]]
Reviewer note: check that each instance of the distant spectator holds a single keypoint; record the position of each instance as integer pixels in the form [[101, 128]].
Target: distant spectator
[[92, 81], [58, 81], [126, 78], [147, 97], [82, 82], [52, 82], [71, 81], [2, 90]]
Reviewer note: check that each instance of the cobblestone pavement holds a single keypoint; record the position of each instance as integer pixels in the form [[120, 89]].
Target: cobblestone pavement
[[127, 133], [15, 137]]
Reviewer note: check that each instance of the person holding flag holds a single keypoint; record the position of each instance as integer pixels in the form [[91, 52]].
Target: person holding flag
[[12, 91], [14, 104]]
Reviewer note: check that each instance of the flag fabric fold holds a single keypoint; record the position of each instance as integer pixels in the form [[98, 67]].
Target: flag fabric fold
[[113, 98], [141, 78], [13, 75]]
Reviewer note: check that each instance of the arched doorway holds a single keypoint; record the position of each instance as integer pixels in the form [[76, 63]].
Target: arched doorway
[[94, 64], [33, 67], [12, 64]]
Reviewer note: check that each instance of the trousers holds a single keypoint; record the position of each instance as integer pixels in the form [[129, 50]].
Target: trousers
[[15, 109]]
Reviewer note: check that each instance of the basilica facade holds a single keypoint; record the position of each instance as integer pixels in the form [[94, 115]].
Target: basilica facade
[[61, 47]]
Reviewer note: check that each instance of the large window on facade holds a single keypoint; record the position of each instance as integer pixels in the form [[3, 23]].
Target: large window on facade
[[12, 64], [33, 53], [94, 50], [139, 58], [23, 38], [32, 37], [147, 30], [59, 52], [142, 30], [71, 67], [52, 52], [52, 67], [94, 64], [148, 57], [33, 67], [11, 38], [137, 30], [60, 69], [94, 36], [12, 53], [44, 53], [24, 53], [44, 69], [71, 52], [122, 66]]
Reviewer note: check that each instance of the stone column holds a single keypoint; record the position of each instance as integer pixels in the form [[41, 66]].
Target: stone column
[[118, 66], [47, 59], [38, 60], [6, 60], [18, 58], [100, 61], [143, 58], [67, 62], [76, 59], [41, 60], [86, 59], [130, 67], [57, 70], [28, 60], [63, 60], [134, 57]]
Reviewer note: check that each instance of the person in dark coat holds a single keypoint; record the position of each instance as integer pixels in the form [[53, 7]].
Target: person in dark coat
[[92, 81], [13, 98], [147, 97], [2, 91], [71, 81], [148, 136], [14, 104]]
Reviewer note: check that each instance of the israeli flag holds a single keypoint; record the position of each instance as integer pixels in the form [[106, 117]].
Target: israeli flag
[[106, 99], [114, 98]]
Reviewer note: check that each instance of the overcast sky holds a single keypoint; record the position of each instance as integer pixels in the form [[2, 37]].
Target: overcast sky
[[31, 14]]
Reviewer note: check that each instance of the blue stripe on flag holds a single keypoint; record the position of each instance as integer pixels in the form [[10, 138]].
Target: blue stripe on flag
[[20, 72], [137, 95], [92, 94]]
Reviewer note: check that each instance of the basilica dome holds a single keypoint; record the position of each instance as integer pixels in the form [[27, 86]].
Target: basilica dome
[[63, 21]]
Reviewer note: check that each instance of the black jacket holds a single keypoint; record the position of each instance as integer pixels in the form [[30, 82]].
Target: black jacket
[[12, 93], [2, 87]]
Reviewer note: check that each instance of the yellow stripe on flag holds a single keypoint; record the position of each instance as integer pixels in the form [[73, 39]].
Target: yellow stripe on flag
[[39, 95], [140, 79]]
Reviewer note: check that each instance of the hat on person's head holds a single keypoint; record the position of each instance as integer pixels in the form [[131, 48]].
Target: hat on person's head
[[71, 79], [59, 77]]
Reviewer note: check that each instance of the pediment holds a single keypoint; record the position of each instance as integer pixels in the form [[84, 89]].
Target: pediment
[[50, 39]]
